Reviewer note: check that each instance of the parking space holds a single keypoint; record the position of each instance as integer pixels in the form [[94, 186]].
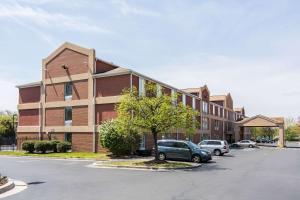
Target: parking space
[[264, 173]]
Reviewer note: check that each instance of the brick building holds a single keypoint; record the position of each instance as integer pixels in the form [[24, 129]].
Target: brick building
[[78, 91]]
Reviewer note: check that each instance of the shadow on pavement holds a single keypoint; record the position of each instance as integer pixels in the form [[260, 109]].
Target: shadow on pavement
[[36, 183]]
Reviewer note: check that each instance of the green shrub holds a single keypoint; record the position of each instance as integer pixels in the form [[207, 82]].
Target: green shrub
[[28, 146], [117, 141], [54, 144], [42, 146], [64, 147]]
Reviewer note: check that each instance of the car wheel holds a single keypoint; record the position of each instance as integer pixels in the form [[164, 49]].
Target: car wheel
[[196, 159], [250, 146], [161, 156], [217, 152]]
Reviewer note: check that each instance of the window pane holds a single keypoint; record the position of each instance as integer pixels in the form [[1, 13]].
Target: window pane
[[68, 113], [68, 137], [68, 89]]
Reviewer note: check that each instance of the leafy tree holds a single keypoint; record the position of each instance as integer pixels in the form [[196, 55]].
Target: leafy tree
[[155, 113], [292, 133], [118, 140], [6, 126]]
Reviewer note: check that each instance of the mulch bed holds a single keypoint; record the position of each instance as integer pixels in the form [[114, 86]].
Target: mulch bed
[[3, 180]]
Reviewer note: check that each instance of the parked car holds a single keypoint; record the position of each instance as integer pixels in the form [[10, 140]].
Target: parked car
[[217, 147], [247, 143], [182, 150], [235, 146]]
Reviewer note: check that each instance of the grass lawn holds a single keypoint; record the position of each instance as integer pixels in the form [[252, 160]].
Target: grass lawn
[[146, 164], [83, 155]]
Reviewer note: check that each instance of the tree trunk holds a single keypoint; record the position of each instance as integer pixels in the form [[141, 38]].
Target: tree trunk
[[155, 145]]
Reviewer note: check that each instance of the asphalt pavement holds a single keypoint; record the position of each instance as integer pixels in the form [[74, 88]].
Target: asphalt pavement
[[265, 173]]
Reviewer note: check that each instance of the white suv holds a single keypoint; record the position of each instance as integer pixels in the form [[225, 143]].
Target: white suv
[[218, 147]]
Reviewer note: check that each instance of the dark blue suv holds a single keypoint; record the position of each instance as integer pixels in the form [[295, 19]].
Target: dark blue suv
[[182, 150]]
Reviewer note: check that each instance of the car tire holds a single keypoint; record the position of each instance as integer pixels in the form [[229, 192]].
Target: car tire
[[161, 156], [196, 159], [217, 152], [251, 146]]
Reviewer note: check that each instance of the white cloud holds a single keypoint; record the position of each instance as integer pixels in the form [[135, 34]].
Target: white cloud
[[127, 9], [42, 18], [263, 87]]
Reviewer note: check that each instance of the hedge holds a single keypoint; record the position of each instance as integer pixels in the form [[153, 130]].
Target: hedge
[[44, 146], [28, 146]]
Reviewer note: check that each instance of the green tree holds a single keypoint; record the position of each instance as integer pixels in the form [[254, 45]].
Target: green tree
[[292, 133], [118, 140], [6, 126], [155, 113]]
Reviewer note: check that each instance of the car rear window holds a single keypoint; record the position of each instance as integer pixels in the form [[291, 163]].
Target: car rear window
[[213, 142]]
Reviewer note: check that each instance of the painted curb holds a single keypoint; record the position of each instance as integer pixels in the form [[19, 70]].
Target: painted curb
[[6, 187]]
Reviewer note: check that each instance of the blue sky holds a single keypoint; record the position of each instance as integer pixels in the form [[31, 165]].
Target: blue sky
[[248, 48]]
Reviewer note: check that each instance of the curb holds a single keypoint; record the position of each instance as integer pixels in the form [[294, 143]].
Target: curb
[[6, 187], [95, 165]]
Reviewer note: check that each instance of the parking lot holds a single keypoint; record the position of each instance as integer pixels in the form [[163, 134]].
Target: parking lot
[[265, 173]]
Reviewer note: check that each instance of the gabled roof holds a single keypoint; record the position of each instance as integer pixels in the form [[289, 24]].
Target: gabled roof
[[261, 120], [218, 98], [68, 45]]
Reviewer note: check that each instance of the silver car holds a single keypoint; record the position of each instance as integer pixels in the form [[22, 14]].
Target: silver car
[[218, 147], [247, 143]]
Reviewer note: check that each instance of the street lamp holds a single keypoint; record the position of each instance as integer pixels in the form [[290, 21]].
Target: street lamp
[[14, 115]]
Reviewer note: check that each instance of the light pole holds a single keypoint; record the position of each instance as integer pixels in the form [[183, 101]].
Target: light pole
[[14, 115]]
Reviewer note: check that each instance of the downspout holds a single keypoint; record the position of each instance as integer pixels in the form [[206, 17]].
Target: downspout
[[94, 110]]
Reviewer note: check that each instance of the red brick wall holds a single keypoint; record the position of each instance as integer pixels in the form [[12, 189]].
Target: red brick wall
[[198, 105], [76, 62], [29, 95], [55, 92], [21, 137], [82, 142], [189, 101], [80, 90], [29, 117], [55, 116], [80, 116], [102, 67], [112, 86], [135, 82], [56, 136], [105, 112], [166, 91]]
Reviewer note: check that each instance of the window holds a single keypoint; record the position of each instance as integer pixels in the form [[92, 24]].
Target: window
[[143, 142], [141, 86], [68, 116], [181, 145], [217, 125], [68, 137], [204, 123], [68, 90], [205, 107]]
